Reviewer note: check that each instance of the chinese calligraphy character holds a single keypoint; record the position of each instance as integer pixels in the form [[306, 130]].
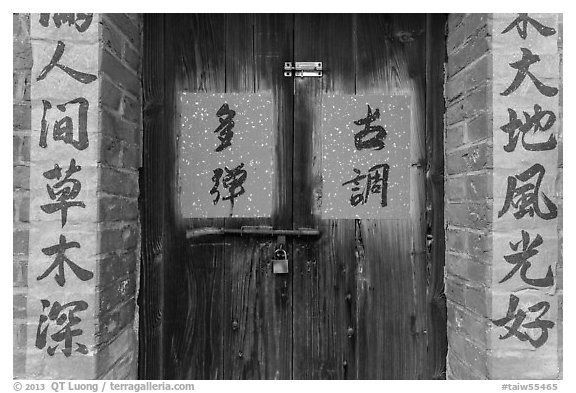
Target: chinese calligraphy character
[[216, 180], [61, 259], [522, 66], [225, 127], [71, 19], [232, 182], [376, 183], [520, 260], [65, 193], [521, 24], [63, 129], [518, 318], [535, 122], [525, 198], [64, 321], [366, 139], [81, 77]]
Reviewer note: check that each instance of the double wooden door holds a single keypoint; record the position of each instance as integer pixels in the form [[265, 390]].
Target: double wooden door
[[362, 301]]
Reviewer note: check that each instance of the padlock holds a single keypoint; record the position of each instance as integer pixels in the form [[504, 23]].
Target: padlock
[[280, 261]]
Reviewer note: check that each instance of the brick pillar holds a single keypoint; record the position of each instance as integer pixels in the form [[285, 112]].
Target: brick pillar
[[77, 140], [489, 335]]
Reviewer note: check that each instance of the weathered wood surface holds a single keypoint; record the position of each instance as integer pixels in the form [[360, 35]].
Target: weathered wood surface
[[257, 306], [151, 204], [196, 340], [435, 59], [356, 303], [324, 271], [392, 344]]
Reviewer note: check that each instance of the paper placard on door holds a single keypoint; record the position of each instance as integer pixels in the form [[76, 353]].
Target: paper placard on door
[[366, 156], [226, 155]]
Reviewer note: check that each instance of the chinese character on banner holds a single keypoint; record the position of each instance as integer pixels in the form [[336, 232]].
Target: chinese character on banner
[[56, 325], [64, 191]]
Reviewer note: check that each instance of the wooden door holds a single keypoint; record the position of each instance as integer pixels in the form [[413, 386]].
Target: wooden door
[[364, 300]]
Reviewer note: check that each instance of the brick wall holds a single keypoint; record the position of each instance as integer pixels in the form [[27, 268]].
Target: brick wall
[[118, 137], [22, 58], [468, 193], [476, 350]]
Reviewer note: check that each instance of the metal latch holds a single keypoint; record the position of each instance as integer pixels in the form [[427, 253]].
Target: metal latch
[[303, 68]]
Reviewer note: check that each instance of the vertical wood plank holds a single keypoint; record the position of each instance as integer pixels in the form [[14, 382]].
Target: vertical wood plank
[[323, 274], [391, 319], [257, 330], [273, 44], [435, 60], [195, 344], [150, 202]]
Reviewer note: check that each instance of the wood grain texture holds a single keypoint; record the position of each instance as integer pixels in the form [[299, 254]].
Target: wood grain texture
[[323, 278], [358, 303], [435, 60], [391, 289], [258, 311], [150, 299], [196, 344]]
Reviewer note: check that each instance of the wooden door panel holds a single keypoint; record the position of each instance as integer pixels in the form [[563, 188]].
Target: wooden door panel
[[198, 65], [391, 58], [257, 306], [360, 291], [355, 303], [323, 273]]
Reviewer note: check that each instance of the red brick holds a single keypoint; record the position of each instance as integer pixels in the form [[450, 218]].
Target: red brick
[[478, 187], [131, 157], [474, 158], [454, 188], [474, 104], [110, 151], [114, 126], [479, 128], [20, 242], [111, 96], [457, 265], [21, 177], [20, 273], [454, 289], [24, 207], [131, 110], [117, 292], [116, 265], [111, 354], [476, 299], [456, 240], [22, 116], [454, 136], [472, 50], [132, 58], [19, 306], [120, 74], [468, 79], [466, 28], [470, 215], [112, 38], [120, 183], [476, 357], [114, 208], [128, 28], [111, 323], [124, 238]]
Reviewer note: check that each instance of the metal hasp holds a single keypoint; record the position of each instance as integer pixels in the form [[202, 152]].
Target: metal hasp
[[303, 68], [252, 231]]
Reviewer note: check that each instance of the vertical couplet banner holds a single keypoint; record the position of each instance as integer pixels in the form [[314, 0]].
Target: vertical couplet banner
[[526, 91], [62, 302]]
